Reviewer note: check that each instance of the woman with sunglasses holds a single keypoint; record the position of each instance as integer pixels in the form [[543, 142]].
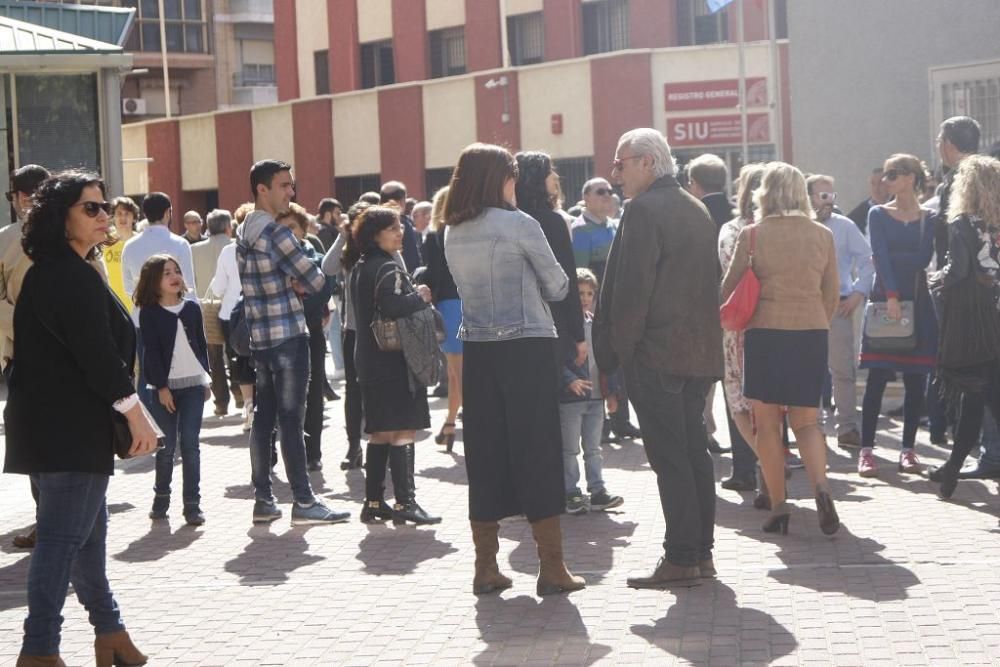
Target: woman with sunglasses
[[902, 239], [72, 332]]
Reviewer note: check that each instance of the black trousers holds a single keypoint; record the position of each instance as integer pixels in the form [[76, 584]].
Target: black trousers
[[512, 437], [744, 460], [970, 416], [670, 410], [314, 395], [353, 407], [222, 383]]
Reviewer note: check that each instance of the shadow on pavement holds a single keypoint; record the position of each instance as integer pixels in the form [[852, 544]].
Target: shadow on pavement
[[355, 491], [451, 474], [14, 583], [706, 624], [388, 549], [158, 542], [512, 628], [269, 558]]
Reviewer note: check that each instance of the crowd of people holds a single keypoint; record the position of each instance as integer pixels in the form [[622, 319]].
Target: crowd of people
[[542, 329]]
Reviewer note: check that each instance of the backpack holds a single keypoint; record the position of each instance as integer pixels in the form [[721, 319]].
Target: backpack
[[239, 330]]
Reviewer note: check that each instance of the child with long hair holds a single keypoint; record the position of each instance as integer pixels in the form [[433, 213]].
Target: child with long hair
[[175, 361]]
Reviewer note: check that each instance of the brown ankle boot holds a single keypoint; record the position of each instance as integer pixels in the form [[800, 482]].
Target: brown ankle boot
[[116, 648], [40, 661], [553, 577], [488, 578]]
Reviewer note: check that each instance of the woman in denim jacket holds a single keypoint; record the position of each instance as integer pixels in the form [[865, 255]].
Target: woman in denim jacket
[[506, 274]]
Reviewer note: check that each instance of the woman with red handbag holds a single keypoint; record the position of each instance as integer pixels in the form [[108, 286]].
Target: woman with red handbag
[[785, 344]]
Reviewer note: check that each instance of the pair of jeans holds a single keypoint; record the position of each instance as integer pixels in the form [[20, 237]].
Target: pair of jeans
[[842, 359], [71, 546], [990, 442], [582, 421], [353, 408], [183, 427], [282, 378], [314, 395], [914, 386], [670, 410]]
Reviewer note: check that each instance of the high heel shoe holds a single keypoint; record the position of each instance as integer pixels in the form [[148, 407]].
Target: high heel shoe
[[829, 522], [778, 521], [353, 459], [447, 439]]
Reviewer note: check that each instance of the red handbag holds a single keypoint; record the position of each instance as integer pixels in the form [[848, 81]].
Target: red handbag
[[736, 313]]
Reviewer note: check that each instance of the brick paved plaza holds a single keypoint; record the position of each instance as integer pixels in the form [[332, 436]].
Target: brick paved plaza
[[908, 580]]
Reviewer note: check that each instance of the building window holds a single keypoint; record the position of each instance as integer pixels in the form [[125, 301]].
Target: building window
[[526, 38], [321, 70], [979, 98], [696, 24], [435, 179], [447, 52], [350, 188], [252, 75], [376, 64], [573, 173], [57, 121], [605, 26], [186, 26]]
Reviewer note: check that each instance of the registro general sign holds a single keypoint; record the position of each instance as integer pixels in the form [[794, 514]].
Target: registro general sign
[[718, 94]]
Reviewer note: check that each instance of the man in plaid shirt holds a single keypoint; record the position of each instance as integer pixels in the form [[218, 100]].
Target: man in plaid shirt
[[275, 273]]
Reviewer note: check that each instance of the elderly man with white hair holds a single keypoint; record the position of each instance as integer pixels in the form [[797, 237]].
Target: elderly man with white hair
[[658, 318]]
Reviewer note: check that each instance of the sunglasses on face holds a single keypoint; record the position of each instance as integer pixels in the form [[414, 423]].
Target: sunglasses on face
[[93, 208], [893, 174], [826, 196], [618, 163], [602, 192]]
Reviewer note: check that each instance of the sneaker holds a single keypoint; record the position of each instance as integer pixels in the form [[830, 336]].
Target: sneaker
[[265, 511], [193, 515], [792, 461], [160, 506], [867, 467], [909, 463], [602, 500], [850, 440], [314, 466], [317, 513], [576, 504]]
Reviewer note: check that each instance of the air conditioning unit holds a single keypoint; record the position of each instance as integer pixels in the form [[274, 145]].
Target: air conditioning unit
[[133, 106]]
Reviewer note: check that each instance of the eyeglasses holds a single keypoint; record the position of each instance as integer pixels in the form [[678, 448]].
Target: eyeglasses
[[826, 196], [617, 163], [602, 192], [893, 174], [93, 208]]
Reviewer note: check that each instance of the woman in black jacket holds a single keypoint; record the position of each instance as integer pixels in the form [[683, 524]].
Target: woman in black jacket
[[537, 195], [71, 333], [393, 410]]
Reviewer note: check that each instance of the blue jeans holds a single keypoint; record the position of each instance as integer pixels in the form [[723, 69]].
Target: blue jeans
[[183, 425], [72, 530], [582, 421], [990, 442], [282, 378]]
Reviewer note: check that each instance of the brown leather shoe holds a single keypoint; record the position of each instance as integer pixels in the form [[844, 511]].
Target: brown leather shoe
[[26, 541], [553, 576], [115, 649], [706, 568], [40, 661], [667, 575], [488, 578]]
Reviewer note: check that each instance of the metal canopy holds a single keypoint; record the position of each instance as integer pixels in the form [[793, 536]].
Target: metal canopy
[[20, 38], [104, 24]]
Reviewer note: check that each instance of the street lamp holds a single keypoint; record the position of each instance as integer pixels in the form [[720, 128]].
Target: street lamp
[[501, 82]]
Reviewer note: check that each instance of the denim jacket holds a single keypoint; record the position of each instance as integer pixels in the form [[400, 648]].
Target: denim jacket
[[506, 273]]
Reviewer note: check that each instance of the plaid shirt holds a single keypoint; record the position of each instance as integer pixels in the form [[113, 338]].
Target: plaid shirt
[[267, 266]]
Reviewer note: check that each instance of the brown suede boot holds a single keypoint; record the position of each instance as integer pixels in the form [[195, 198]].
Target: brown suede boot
[[553, 576], [488, 578], [40, 661], [116, 648], [667, 575]]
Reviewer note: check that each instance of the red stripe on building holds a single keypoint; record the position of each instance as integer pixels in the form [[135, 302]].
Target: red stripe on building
[[786, 103], [409, 40], [490, 126], [755, 22], [563, 29], [163, 141], [234, 151], [482, 35], [614, 80], [345, 55], [313, 126], [652, 23], [401, 137], [286, 59]]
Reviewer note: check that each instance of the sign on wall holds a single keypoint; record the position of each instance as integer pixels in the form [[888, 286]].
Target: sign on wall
[[717, 130], [718, 94]]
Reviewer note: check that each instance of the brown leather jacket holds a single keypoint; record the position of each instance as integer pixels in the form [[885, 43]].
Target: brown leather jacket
[[659, 304]]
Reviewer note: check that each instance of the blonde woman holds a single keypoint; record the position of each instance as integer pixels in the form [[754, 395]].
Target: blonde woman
[[437, 276], [969, 355], [785, 345]]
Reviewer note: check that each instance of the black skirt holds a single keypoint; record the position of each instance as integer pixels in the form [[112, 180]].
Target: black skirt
[[784, 367], [389, 406], [512, 437]]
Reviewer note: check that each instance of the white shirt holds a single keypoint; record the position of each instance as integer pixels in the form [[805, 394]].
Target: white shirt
[[157, 239], [226, 282], [184, 364]]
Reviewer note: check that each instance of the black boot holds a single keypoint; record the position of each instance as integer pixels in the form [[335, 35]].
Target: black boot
[[375, 509], [406, 507], [353, 458]]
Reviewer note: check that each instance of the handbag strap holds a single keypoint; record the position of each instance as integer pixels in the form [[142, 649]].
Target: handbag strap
[[753, 243], [394, 273]]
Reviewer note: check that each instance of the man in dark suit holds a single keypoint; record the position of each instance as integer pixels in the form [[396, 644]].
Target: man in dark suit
[[658, 318], [877, 196], [394, 192]]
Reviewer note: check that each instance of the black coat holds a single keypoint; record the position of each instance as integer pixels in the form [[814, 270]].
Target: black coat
[[374, 365], [74, 350], [437, 275], [719, 207], [567, 314]]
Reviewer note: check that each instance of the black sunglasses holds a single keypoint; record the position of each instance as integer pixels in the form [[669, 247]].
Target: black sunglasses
[[602, 192], [93, 208], [893, 174]]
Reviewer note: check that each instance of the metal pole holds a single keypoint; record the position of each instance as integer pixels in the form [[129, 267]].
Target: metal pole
[[504, 47], [774, 87], [742, 84], [163, 57]]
